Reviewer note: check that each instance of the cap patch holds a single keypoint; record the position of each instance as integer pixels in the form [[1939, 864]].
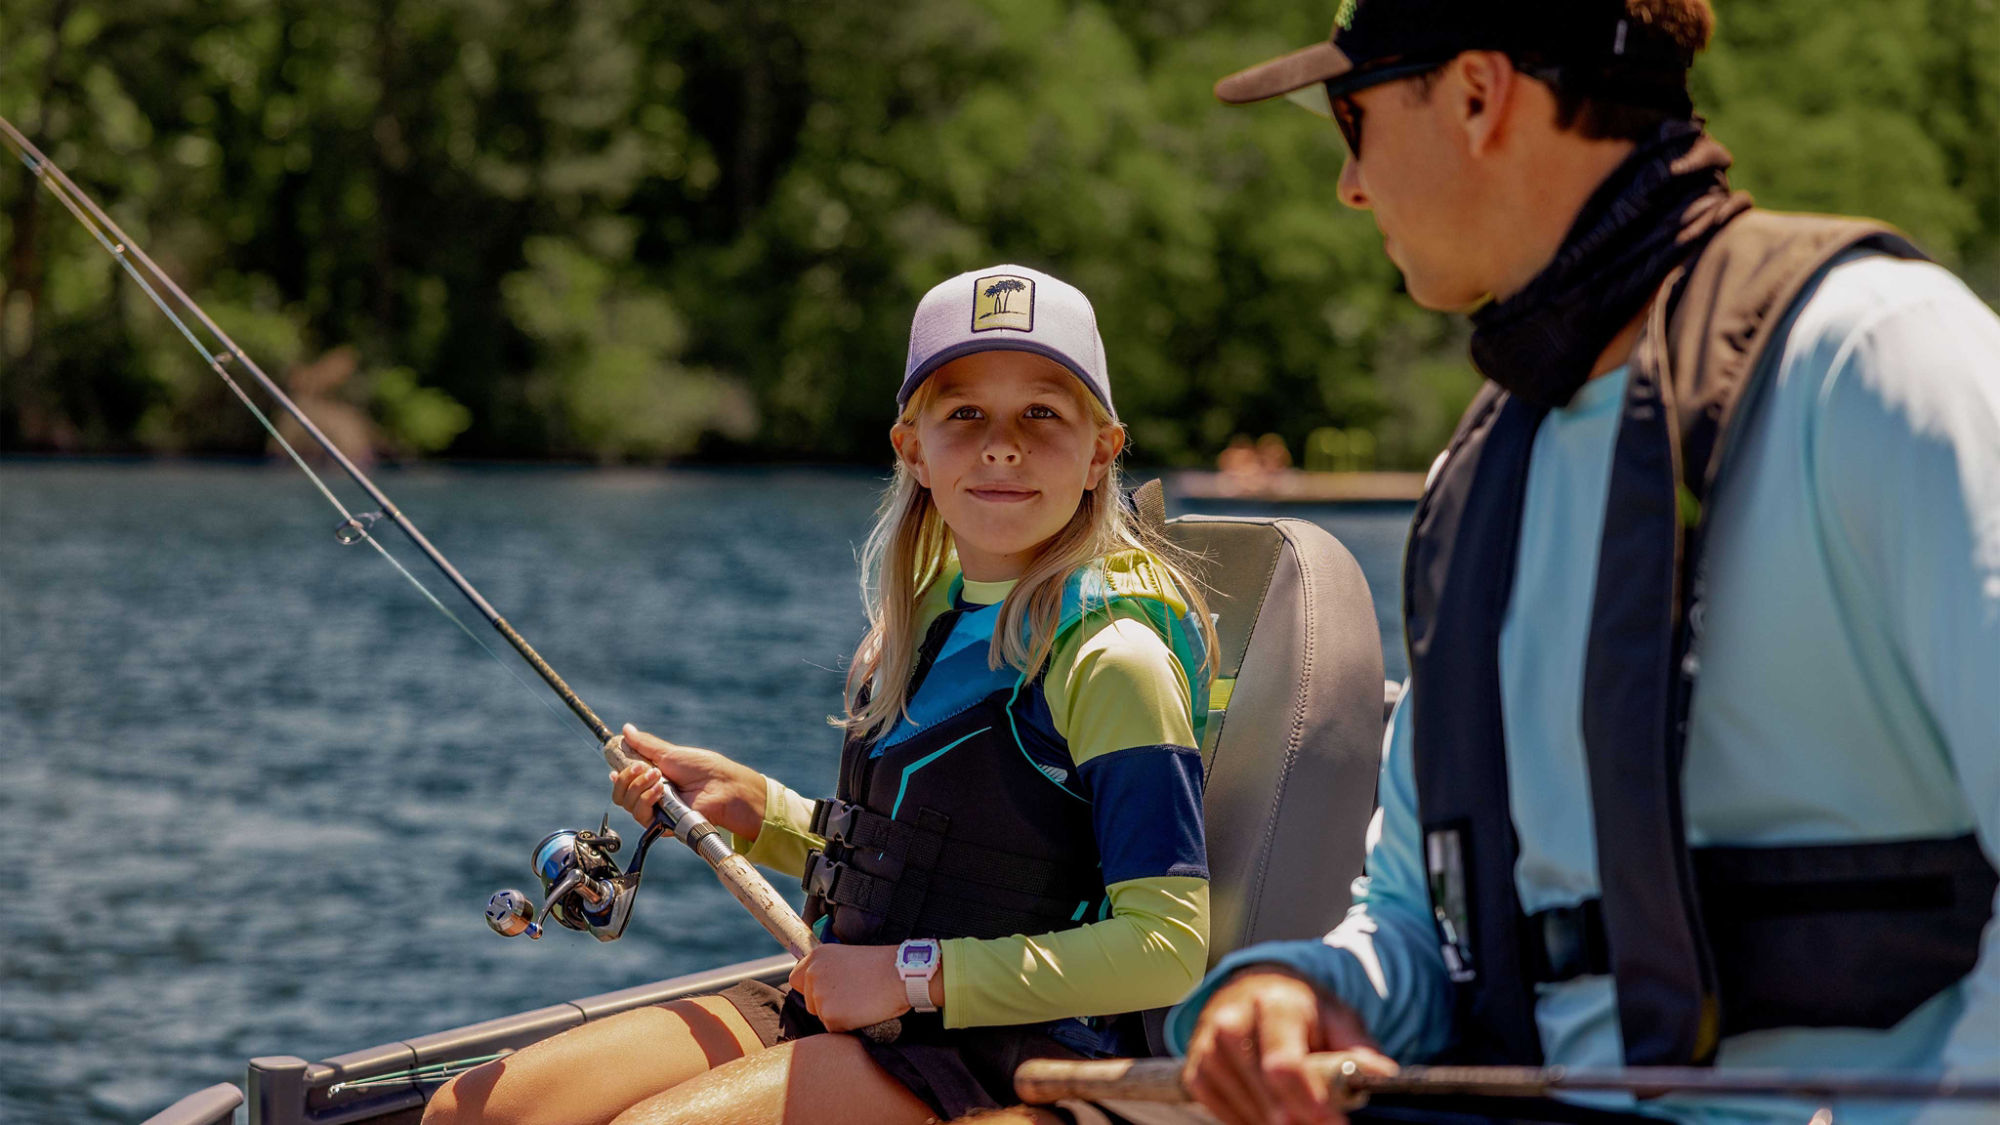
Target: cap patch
[[1344, 18], [1003, 300]]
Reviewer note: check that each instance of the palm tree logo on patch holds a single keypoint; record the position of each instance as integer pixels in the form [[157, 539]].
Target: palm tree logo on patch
[[1001, 290], [1003, 301]]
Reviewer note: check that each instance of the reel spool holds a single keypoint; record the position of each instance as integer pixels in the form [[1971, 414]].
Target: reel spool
[[582, 886]]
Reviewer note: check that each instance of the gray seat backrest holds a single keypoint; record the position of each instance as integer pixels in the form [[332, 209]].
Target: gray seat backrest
[[1294, 738]]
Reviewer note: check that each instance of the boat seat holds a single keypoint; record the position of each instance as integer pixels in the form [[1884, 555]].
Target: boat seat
[[1294, 738]]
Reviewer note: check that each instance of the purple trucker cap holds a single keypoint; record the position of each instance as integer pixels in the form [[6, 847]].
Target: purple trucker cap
[[1006, 308]]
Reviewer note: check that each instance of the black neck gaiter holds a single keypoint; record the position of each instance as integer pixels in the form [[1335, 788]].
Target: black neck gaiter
[[1650, 214]]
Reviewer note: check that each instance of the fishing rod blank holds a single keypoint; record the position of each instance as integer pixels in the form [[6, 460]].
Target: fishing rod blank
[[687, 825], [1159, 1080], [135, 259]]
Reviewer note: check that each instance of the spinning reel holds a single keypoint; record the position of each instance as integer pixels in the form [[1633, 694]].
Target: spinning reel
[[582, 887]]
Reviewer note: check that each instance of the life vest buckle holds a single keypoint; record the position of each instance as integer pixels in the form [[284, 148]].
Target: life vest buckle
[[835, 820], [1567, 942], [822, 875]]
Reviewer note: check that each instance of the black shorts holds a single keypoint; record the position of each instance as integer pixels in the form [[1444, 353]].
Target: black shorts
[[954, 1071]]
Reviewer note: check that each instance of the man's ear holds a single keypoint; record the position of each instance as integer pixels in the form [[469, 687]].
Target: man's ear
[[910, 451], [1484, 92], [1110, 443]]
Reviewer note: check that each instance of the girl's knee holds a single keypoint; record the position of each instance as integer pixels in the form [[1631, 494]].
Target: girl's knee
[[445, 1106], [469, 1098], [719, 1031], [594, 1071]]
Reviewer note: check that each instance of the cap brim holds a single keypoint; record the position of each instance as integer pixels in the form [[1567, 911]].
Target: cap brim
[[968, 347], [1307, 66]]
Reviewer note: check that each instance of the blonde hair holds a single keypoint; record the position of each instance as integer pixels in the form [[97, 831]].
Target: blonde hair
[[909, 552]]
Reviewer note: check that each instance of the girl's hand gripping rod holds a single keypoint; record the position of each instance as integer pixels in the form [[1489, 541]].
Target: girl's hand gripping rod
[[712, 845], [584, 890]]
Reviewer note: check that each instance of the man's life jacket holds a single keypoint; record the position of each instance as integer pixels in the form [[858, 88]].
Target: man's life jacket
[[969, 818], [1702, 942]]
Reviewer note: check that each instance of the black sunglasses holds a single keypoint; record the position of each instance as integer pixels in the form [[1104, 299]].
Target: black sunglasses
[[1340, 93]]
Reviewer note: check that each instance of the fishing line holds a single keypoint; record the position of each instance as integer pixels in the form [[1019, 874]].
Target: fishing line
[[579, 863], [352, 528]]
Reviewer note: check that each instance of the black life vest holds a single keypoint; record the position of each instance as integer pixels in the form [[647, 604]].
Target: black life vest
[[1701, 942], [969, 818]]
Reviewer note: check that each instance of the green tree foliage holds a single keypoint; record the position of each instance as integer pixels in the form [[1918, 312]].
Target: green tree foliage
[[637, 230]]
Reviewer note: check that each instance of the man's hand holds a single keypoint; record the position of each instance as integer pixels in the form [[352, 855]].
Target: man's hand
[[1246, 1059], [851, 986], [731, 796]]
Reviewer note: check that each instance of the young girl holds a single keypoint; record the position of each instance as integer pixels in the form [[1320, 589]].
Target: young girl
[[1014, 863]]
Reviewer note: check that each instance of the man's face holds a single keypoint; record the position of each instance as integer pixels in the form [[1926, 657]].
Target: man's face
[[1413, 175]]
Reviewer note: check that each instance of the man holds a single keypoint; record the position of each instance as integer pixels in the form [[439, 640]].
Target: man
[[1700, 761]]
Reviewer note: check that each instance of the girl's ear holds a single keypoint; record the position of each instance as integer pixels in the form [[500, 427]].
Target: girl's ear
[[1110, 443], [910, 451]]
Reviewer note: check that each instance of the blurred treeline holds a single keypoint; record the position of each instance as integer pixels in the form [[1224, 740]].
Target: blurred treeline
[[657, 228]]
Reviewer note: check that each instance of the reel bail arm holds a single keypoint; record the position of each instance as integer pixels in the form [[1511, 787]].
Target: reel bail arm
[[579, 875], [584, 889]]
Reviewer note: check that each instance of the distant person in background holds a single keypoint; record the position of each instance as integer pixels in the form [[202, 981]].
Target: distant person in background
[[1699, 763], [1273, 457], [1014, 861], [1248, 468], [1238, 466]]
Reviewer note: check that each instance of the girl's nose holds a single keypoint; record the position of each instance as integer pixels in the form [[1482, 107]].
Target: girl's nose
[[1003, 447]]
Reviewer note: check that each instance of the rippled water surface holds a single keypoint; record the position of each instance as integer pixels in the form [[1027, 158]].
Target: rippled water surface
[[257, 791]]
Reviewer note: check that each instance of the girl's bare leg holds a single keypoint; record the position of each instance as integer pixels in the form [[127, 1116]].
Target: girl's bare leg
[[588, 1075], [818, 1080]]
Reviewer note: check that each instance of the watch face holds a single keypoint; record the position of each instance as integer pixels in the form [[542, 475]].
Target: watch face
[[917, 956]]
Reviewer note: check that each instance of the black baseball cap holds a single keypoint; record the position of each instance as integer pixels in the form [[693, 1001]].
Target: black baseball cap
[[1595, 44]]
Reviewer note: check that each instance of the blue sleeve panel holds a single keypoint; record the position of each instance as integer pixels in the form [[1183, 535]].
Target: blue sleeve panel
[[1146, 809]]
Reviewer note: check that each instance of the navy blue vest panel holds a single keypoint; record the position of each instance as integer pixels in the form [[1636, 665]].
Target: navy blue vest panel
[[1452, 614], [1702, 942], [959, 787], [1634, 739]]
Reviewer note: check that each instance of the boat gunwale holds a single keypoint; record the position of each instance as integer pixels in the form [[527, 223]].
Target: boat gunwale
[[285, 1090]]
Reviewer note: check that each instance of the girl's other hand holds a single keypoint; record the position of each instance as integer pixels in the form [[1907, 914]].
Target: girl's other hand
[[854, 986], [729, 794]]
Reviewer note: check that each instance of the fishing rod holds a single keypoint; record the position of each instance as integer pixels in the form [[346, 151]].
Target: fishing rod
[[584, 888], [1043, 1081]]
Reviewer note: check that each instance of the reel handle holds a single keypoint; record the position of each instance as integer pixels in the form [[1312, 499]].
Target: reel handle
[[511, 914]]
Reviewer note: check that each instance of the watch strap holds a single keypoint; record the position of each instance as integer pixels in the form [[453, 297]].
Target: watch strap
[[917, 990]]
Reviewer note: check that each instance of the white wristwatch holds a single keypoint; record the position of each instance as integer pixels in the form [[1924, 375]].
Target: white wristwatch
[[917, 962]]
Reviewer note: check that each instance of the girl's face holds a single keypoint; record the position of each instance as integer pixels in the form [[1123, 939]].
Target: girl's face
[[1007, 446]]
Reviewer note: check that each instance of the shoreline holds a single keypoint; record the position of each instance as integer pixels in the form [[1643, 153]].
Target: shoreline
[[1297, 486]]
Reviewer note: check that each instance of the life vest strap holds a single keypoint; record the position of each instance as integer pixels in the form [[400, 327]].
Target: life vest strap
[[839, 883], [861, 830]]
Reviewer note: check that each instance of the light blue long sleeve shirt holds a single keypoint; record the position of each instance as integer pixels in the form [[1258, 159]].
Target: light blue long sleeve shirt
[[1849, 685]]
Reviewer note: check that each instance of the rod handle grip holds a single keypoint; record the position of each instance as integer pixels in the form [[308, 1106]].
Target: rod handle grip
[[748, 885], [1045, 1081]]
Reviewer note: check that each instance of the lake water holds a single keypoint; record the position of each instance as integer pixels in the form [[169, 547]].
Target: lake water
[[258, 790]]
